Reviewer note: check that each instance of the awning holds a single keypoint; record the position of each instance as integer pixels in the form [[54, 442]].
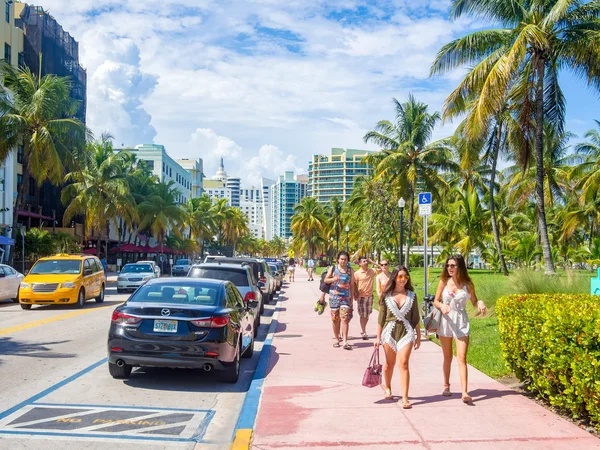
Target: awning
[[6, 241], [22, 212]]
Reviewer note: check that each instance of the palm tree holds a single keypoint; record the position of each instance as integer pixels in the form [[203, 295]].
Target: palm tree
[[278, 246], [522, 61], [98, 190], [406, 157], [221, 213], [37, 114], [309, 222], [334, 210], [199, 219], [161, 212]]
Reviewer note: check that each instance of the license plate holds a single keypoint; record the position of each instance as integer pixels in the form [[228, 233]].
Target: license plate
[[165, 326]]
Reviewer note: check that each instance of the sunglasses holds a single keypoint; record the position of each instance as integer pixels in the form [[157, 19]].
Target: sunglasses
[[403, 277], [384, 264], [451, 266]]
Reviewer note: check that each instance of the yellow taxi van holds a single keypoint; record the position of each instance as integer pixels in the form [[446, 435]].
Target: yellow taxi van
[[63, 279]]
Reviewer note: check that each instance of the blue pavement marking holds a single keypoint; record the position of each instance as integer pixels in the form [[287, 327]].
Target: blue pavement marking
[[249, 410]]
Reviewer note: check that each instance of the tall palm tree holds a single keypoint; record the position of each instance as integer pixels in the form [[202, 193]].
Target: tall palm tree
[[334, 210], [522, 61], [38, 115], [161, 212], [199, 219], [309, 222], [407, 158], [98, 190]]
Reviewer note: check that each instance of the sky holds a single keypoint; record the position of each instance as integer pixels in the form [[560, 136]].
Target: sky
[[265, 84]]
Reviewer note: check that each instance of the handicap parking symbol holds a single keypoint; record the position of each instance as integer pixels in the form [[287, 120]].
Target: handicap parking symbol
[[425, 198]]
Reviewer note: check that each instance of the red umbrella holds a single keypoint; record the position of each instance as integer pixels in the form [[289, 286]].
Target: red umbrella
[[90, 251]]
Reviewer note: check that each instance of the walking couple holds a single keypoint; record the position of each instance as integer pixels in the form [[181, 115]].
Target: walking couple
[[399, 324], [346, 286]]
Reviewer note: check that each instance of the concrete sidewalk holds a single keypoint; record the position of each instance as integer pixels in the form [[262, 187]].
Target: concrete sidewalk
[[313, 396]]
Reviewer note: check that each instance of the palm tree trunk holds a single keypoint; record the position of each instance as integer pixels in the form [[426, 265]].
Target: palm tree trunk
[[539, 166], [493, 201], [411, 219]]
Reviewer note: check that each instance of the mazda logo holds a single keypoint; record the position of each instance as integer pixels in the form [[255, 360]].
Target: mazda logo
[[165, 312]]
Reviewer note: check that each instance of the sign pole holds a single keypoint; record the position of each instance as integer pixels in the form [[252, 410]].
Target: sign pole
[[425, 210], [425, 250]]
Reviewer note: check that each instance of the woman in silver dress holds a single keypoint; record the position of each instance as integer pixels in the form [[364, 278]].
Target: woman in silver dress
[[398, 329], [453, 292]]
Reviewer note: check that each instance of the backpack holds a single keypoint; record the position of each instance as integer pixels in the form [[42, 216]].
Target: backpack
[[325, 287]]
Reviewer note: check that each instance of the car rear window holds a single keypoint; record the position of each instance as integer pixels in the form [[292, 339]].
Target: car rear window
[[178, 293], [56, 266], [182, 262], [136, 268], [237, 277]]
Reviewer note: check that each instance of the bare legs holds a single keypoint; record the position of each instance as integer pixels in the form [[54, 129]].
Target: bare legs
[[388, 366], [363, 325], [335, 324], [345, 328], [403, 357], [462, 345]]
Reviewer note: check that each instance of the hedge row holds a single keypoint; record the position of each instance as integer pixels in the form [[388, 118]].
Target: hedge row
[[552, 343]]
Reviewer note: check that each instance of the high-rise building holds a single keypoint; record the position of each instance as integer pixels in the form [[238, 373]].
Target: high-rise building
[[265, 188], [165, 168], [196, 170], [285, 194], [251, 206], [334, 175], [234, 184], [224, 186]]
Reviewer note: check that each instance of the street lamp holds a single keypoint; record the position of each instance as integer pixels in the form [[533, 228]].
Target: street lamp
[[347, 231], [401, 205], [331, 248]]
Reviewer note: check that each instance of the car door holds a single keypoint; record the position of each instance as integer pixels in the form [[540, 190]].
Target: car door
[[88, 278], [15, 281], [241, 314], [4, 284]]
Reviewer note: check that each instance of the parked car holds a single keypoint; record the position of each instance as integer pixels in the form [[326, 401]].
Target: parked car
[[182, 323], [63, 279], [10, 280], [181, 267], [155, 266], [133, 275], [277, 274], [270, 283], [259, 269], [241, 276]]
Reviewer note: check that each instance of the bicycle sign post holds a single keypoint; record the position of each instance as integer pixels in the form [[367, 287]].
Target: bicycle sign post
[[425, 211]]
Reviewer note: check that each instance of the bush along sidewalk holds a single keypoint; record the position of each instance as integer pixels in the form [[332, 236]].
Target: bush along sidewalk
[[552, 344]]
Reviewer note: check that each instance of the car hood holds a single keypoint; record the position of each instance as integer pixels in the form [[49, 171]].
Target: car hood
[[50, 278]]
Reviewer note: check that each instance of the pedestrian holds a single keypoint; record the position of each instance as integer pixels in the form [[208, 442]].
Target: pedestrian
[[341, 298], [382, 279], [291, 269], [310, 268], [364, 278], [398, 329], [453, 292]]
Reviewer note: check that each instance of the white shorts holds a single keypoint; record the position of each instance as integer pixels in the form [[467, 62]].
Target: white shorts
[[291, 269]]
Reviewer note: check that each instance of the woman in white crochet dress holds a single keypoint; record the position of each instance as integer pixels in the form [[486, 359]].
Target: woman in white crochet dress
[[453, 292]]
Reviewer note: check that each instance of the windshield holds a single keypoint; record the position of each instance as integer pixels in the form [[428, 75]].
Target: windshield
[[237, 277], [178, 293], [182, 262], [273, 268], [137, 268], [59, 266]]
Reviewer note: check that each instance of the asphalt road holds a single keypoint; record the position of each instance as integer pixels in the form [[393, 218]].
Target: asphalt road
[[56, 392]]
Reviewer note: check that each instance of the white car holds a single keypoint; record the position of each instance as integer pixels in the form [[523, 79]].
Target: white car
[[10, 280], [132, 276], [155, 266]]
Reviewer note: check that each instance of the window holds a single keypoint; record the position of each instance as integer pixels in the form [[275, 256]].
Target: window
[[7, 53], [21, 60], [20, 154], [163, 167], [19, 181], [7, 11], [170, 172], [150, 164]]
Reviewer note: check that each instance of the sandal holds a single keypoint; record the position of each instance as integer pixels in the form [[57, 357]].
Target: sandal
[[365, 336], [446, 392], [406, 404], [336, 345], [467, 399], [388, 394], [347, 346]]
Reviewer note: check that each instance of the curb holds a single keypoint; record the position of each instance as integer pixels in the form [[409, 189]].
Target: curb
[[244, 429]]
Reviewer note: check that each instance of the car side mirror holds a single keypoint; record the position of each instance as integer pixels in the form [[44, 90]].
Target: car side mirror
[[87, 272]]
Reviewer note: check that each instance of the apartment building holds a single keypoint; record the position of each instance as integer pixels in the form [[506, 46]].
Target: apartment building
[[285, 194]]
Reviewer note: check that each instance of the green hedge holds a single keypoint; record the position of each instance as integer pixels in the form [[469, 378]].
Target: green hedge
[[552, 343]]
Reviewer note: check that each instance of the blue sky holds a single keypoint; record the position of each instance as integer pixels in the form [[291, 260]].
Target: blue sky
[[265, 83]]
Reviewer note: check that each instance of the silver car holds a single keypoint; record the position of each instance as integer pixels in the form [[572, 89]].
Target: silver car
[[10, 280], [132, 276]]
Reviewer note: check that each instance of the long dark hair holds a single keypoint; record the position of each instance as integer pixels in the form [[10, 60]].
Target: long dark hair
[[391, 284], [462, 276]]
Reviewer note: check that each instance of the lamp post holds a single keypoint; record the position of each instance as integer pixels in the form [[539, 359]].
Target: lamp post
[[347, 231], [331, 248], [401, 205]]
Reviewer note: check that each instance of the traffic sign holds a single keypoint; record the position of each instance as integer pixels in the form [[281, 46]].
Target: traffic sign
[[425, 198]]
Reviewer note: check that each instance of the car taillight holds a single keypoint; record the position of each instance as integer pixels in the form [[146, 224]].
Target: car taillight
[[263, 279], [122, 318], [249, 296], [215, 322]]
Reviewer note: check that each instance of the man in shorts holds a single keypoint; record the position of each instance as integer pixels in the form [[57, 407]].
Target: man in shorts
[[310, 268], [364, 279]]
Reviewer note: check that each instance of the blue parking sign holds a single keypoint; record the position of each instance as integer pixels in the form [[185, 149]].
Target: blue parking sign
[[425, 198]]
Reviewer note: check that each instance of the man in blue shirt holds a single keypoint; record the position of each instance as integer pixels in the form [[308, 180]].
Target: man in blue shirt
[[310, 268]]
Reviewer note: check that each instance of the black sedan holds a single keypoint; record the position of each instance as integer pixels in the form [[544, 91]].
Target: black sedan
[[184, 323]]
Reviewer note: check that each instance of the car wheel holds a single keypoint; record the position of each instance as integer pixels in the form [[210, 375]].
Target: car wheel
[[271, 297], [262, 305], [25, 306], [256, 325], [250, 350], [232, 371], [100, 297], [16, 299], [80, 298], [119, 372]]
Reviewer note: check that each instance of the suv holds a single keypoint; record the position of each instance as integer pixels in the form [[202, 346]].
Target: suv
[[241, 276], [260, 272], [63, 279], [181, 267]]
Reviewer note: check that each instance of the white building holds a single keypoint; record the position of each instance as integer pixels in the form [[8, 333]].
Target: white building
[[165, 168], [251, 205], [266, 184], [195, 168], [284, 196]]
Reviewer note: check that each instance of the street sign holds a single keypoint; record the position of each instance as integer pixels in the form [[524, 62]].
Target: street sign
[[119, 262], [425, 204]]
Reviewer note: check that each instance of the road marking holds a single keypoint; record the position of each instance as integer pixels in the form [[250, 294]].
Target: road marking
[[37, 323], [243, 439]]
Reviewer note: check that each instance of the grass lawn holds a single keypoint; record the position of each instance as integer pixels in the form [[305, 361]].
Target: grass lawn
[[484, 349]]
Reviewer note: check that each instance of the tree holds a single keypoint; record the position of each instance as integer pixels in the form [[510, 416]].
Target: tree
[[522, 61], [308, 223], [334, 211], [37, 114]]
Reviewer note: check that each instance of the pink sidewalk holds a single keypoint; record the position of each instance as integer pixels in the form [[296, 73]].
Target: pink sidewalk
[[313, 397]]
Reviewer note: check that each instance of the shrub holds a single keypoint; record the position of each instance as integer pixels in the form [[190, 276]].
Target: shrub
[[529, 281], [552, 343]]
